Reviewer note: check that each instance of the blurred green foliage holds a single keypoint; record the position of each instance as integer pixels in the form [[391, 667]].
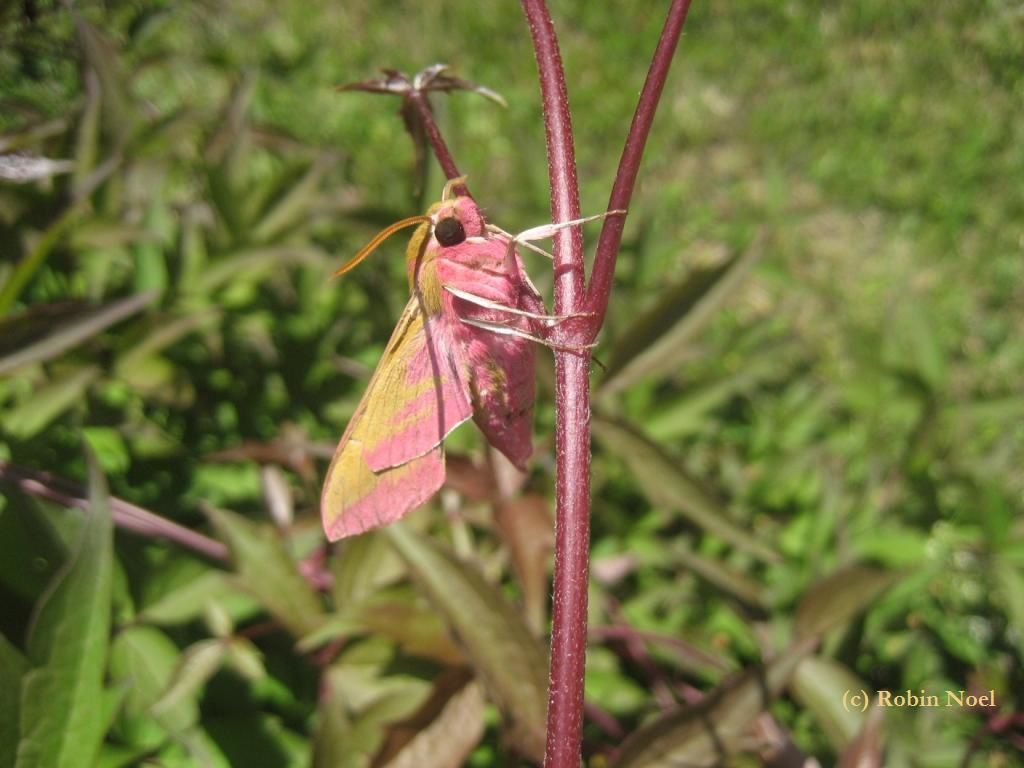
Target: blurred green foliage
[[809, 426]]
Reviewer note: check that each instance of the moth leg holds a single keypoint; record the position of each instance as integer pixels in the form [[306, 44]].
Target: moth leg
[[507, 330], [480, 301], [544, 231], [528, 245]]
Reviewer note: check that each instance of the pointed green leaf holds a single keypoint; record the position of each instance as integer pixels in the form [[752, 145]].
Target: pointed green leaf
[[269, 573], [659, 340], [61, 722], [505, 655], [362, 566], [699, 736], [690, 410], [87, 135], [13, 666], [719, 573], [839, 597], [1009, 591], [332, 746], [198, 664], [31, 551], [70, 335], [187, 601], [38, 255], [445, 729], [667, 484], [144, 660], [150, 272], [246, 659], [47, 403], [100, 55], [293, 206], [253, 264], [819, 686]]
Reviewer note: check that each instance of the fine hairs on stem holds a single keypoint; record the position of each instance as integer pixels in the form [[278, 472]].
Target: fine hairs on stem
[[572, 382], [574, 296]]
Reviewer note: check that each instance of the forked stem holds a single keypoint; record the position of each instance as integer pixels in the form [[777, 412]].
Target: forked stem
[[572, 382]]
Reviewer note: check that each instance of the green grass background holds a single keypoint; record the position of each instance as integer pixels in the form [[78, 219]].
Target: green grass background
[[856, 399]]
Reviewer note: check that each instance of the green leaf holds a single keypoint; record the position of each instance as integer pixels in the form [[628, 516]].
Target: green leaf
[[31, 551], [117, 756], [150, 271], [73, 333], [61, 722], [37, 256], [667, 484], [659, 340], [187, 600], [700, 735], [13, 666], [364, 564], [332, 743], [443, 731], [109, 447], [245, 658], [719, 573], [198, 664], [1009, 592], [355, 706], [506, 657], [100, 55], [913, 343], [819, 686], [87, 134], [144, 660], [892, 544], [840, 597], [269, 573], [254, 264], [294, 205], [691, 409], [47, 403]]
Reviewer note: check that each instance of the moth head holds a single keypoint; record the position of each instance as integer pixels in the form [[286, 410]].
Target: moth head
[[455, 218], [446, 224]]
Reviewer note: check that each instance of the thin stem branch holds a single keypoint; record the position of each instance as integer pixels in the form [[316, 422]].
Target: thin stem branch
[[572, 416], [418, 101], [599, 289], [126, 515], [565, 194]]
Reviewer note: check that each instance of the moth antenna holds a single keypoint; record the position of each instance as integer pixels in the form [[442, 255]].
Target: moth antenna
[[379, 238]]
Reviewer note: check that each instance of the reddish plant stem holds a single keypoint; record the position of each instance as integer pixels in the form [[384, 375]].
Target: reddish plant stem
[[565, 193], [419, 102], [572, 383], [600, 287], [572, 425], [127, 516]]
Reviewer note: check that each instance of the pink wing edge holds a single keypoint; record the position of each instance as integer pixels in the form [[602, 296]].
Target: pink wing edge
[[501, 367], [403, 472], [398, 492]]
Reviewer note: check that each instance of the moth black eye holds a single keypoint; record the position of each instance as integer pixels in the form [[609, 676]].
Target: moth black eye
[[449, 232]]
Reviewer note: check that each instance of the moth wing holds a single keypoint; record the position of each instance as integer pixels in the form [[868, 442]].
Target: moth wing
[[390, 459], [418, 394], [501, 368], [355, 498]]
